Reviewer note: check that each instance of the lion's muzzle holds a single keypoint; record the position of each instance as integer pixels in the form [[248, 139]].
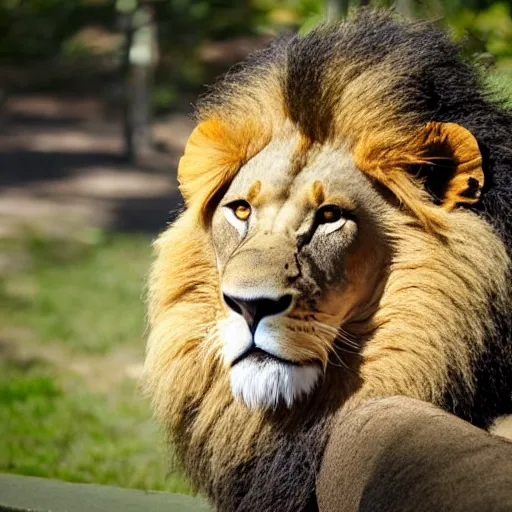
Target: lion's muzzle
[[260, 287]]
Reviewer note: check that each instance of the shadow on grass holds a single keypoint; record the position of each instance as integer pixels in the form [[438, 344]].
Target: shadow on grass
[[128, 213], [10, 356]]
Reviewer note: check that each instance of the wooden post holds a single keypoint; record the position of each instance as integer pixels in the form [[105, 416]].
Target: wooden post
[[336, 8], [139, 60]]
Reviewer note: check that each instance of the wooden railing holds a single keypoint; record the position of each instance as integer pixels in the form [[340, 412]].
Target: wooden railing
[[23, 493]]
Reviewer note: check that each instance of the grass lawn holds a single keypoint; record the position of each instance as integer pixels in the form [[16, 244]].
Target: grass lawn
[[71, 349]]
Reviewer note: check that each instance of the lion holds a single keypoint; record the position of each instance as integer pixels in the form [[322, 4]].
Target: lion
[[345, 237]]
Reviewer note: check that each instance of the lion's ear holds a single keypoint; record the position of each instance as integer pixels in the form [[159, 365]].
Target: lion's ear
[[438, 166], [208, 161], [214, 153], [453, 172]]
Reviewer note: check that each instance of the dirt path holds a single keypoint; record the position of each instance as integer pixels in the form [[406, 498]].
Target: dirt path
[[60, 159]]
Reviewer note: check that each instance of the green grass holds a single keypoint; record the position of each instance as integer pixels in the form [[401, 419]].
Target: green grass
[[71, 326], [89, 303], [77, 435]]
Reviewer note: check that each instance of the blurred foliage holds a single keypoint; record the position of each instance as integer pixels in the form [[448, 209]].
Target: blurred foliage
[[501, 84], [38, 31], [488, 30], [35, 29]]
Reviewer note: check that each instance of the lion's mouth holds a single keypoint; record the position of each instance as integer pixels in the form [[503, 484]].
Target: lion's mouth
[[259, 355]]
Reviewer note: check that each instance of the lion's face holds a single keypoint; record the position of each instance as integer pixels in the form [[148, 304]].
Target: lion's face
[[299, 254]]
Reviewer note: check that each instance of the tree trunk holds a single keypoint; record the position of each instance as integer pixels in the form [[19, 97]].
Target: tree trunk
[[336, 8], [139, 59], [126, 21]]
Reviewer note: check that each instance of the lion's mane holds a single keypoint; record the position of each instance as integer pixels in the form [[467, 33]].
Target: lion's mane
[[372, 81]]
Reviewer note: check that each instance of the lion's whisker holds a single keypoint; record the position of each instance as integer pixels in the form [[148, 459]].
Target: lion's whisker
[[342, 364]]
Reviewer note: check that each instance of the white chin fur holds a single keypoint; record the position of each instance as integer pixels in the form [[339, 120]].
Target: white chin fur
[[265, 384]]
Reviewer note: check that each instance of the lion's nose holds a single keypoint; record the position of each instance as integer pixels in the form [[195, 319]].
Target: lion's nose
[[254, 310]]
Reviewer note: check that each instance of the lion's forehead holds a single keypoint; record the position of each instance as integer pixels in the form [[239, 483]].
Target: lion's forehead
[[275, 168]]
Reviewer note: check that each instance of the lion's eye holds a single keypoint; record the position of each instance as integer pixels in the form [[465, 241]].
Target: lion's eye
[[241, 209], [329, 213]]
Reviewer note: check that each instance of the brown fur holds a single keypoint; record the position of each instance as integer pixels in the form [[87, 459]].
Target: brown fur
[[406, 455], [254, 192]]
